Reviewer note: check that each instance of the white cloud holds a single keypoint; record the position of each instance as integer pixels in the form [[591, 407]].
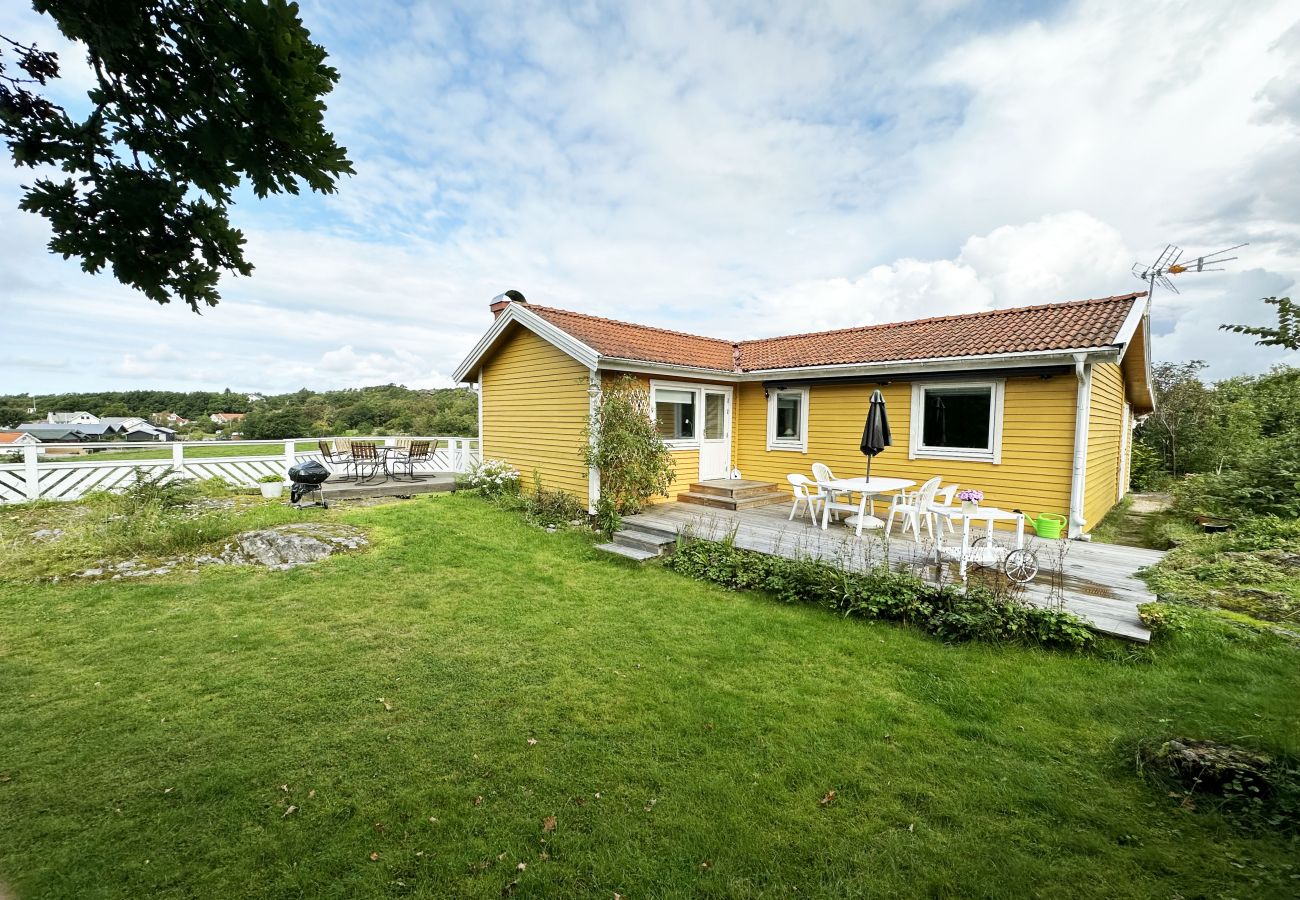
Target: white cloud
[[722, 170]]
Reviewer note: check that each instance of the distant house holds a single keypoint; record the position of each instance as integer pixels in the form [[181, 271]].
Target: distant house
[[226, 418], [253, 398], [53, 434], [147, 432], [126, 423], [17, 439], [169, 418], [80, 417]]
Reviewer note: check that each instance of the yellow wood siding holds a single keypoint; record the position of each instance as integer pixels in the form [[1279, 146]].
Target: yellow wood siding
[[1037, 442], [535, 411], [686, 463], [1105, 442]]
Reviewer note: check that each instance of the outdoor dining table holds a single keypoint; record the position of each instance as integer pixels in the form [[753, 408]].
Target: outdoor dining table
[[867, 487]]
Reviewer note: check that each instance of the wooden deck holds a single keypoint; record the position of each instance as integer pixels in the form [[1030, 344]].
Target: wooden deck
[[392, 487], [1093, 580]]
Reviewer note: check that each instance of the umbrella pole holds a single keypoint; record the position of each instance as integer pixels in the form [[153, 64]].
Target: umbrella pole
[[869, 459]]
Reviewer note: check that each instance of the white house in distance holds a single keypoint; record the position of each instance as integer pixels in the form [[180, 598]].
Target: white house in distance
[[227, 418], [81, 417], [169, 418]]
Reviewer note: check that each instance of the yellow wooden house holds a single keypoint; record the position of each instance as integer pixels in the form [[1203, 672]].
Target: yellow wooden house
[[1034, 406]]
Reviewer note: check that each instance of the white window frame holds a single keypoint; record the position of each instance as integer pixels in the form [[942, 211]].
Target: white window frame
[[778, 443], [696, 389], [991, 454]]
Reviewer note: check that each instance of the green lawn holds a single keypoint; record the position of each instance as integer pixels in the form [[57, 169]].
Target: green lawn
[[155, 736]]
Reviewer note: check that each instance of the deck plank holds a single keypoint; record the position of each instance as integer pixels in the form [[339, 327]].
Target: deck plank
[[1097, 582]]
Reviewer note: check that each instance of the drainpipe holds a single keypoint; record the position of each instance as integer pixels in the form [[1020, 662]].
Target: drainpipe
[[1079, 479]]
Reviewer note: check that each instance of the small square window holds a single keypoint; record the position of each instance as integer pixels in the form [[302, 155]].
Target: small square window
[[788, 424], [675, 414], [787, 419]]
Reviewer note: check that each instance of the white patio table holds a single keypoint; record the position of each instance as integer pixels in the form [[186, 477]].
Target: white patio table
[[867, 488]]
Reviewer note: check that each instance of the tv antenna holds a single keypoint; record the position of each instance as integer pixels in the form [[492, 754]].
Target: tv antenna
[[1169, 262]]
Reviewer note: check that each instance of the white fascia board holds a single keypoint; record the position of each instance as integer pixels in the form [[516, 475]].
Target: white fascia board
[[516, 312], [621, 364], [1132, 321], [938, 364]]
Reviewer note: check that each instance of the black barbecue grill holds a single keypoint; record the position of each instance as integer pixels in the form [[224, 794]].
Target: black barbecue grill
[[307, 477]]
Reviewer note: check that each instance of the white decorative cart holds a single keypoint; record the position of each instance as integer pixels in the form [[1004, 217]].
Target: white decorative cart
[[1019, 563]]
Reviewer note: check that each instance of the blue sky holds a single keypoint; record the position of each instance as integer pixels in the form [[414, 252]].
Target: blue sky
[[738, 170]]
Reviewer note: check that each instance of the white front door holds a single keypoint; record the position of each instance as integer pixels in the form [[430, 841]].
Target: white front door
[[715, 436]]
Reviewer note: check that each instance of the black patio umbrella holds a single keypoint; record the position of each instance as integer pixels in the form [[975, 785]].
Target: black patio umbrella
[[875, 434]]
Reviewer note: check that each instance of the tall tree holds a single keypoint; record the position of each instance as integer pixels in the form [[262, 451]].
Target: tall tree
[[1287, 332], [191, 98]]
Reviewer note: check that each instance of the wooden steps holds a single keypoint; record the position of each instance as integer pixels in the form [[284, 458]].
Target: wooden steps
[[640, 543], [733, 494]]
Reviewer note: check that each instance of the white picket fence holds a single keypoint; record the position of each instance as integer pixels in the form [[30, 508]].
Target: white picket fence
[[43, 477]]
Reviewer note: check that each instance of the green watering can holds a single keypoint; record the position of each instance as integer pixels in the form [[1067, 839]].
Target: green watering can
[[1049, 525]]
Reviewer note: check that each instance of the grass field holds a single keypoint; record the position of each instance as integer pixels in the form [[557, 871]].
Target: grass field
[[407, 721]]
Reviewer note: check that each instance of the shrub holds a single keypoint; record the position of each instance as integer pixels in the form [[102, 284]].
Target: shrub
[[492, 478], [946, 612], [546, 506], [1163, 618], [622, 443]]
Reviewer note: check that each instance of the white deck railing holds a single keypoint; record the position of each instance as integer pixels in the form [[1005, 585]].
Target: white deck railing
[[43, 477]]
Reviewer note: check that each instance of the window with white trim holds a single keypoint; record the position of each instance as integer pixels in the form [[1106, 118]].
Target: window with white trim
[[787, 419], [957, 420], [674, 410]]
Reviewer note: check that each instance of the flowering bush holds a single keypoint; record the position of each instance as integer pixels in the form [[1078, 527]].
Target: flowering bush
[[492, 478], [970, 495]]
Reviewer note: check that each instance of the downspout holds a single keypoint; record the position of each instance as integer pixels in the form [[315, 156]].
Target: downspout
[[1079, 479], [593, 406]]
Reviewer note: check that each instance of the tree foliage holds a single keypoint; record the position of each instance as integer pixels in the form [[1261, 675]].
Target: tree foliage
[[1237, 441], [190, 99], [387, 409], [633, 460], [1287, 332]]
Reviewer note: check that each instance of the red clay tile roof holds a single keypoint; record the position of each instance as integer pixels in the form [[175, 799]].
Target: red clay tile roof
[[10, 437], [1053, 326], [627, 341]]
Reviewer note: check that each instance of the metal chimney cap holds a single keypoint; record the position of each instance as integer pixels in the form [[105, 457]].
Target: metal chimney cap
[[509, 296]]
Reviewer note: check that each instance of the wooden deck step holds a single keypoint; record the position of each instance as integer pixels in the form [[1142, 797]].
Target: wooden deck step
[[736, 488], [718, 501], [655, 543], [629, 552]]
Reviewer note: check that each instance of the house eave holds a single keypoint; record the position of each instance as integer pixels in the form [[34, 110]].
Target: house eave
[[468, 370], [1031, 359]]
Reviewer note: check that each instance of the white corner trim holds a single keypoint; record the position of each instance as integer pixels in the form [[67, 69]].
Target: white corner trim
[[478, 378], [916, 449], [517, 312], [593, 473], [1079, 471], [775, 443]]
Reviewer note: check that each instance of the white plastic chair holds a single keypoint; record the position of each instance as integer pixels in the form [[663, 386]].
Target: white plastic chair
[[943, 501], [915, 507], [822, 474], [799, 485]]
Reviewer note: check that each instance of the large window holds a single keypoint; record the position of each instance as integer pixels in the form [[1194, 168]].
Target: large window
[[675, 413], [787, 419], [957, 421]]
